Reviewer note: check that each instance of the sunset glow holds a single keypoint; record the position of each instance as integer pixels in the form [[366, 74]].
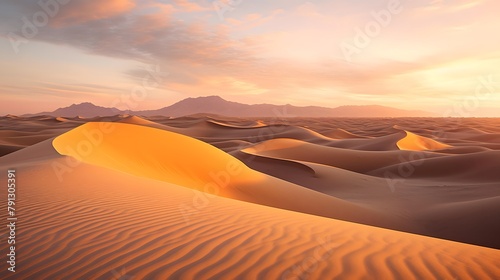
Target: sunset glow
[[434, 55]]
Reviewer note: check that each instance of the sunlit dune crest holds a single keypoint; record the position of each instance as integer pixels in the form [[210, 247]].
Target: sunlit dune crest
[[414, 142], [150, 152]]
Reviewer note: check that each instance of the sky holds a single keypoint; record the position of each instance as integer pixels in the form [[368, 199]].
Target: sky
[[440, 56]]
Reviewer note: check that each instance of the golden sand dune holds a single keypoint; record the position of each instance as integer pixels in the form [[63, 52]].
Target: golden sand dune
[[175, 158], [148, 152], [414, 142], [136, 120], [114, 225]]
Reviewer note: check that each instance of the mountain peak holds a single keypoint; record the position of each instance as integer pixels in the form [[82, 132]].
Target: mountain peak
[[212, 100], [83, 104], [85, 109], [213, 97], [208, 98]]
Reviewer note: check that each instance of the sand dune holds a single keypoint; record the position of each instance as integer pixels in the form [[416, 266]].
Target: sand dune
[[61, 119], [475, 167], [7, 149], [174, 158], [411, 200], [380, 143], [353, 160], [26, 132], [209, 131], [414, 142], [464, 150], [443, 220], [209, 197], [140, 121], [150, 153], [339, 133], [113, 225], [401, 140], [231, 145], [253, 124]]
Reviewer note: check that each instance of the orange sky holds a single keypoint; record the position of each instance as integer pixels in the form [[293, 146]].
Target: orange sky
[[435, 55]]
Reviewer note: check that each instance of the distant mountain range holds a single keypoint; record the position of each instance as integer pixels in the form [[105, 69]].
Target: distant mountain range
[[219, 106]]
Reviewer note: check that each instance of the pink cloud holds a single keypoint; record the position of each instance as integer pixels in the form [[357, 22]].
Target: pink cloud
[[188, 6], [253, 20], [81, 11]]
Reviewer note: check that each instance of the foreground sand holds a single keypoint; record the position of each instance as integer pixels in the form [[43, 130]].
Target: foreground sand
[[131, 206]]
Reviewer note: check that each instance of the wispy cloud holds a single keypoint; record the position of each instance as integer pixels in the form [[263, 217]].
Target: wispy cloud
[[273, 50]]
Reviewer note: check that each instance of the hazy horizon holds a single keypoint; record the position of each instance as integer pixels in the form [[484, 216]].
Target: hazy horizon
[[431, 55], [160, 106]]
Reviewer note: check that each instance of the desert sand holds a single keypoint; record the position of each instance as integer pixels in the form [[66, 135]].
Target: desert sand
[[198, 197]]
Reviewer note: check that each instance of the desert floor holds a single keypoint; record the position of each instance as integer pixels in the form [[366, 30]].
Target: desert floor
[[210, 197]]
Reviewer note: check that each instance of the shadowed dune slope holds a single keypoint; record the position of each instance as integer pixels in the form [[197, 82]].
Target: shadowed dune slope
[[471, 220], [476, 167], [353, 160], [381, 143], [339, 133]]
